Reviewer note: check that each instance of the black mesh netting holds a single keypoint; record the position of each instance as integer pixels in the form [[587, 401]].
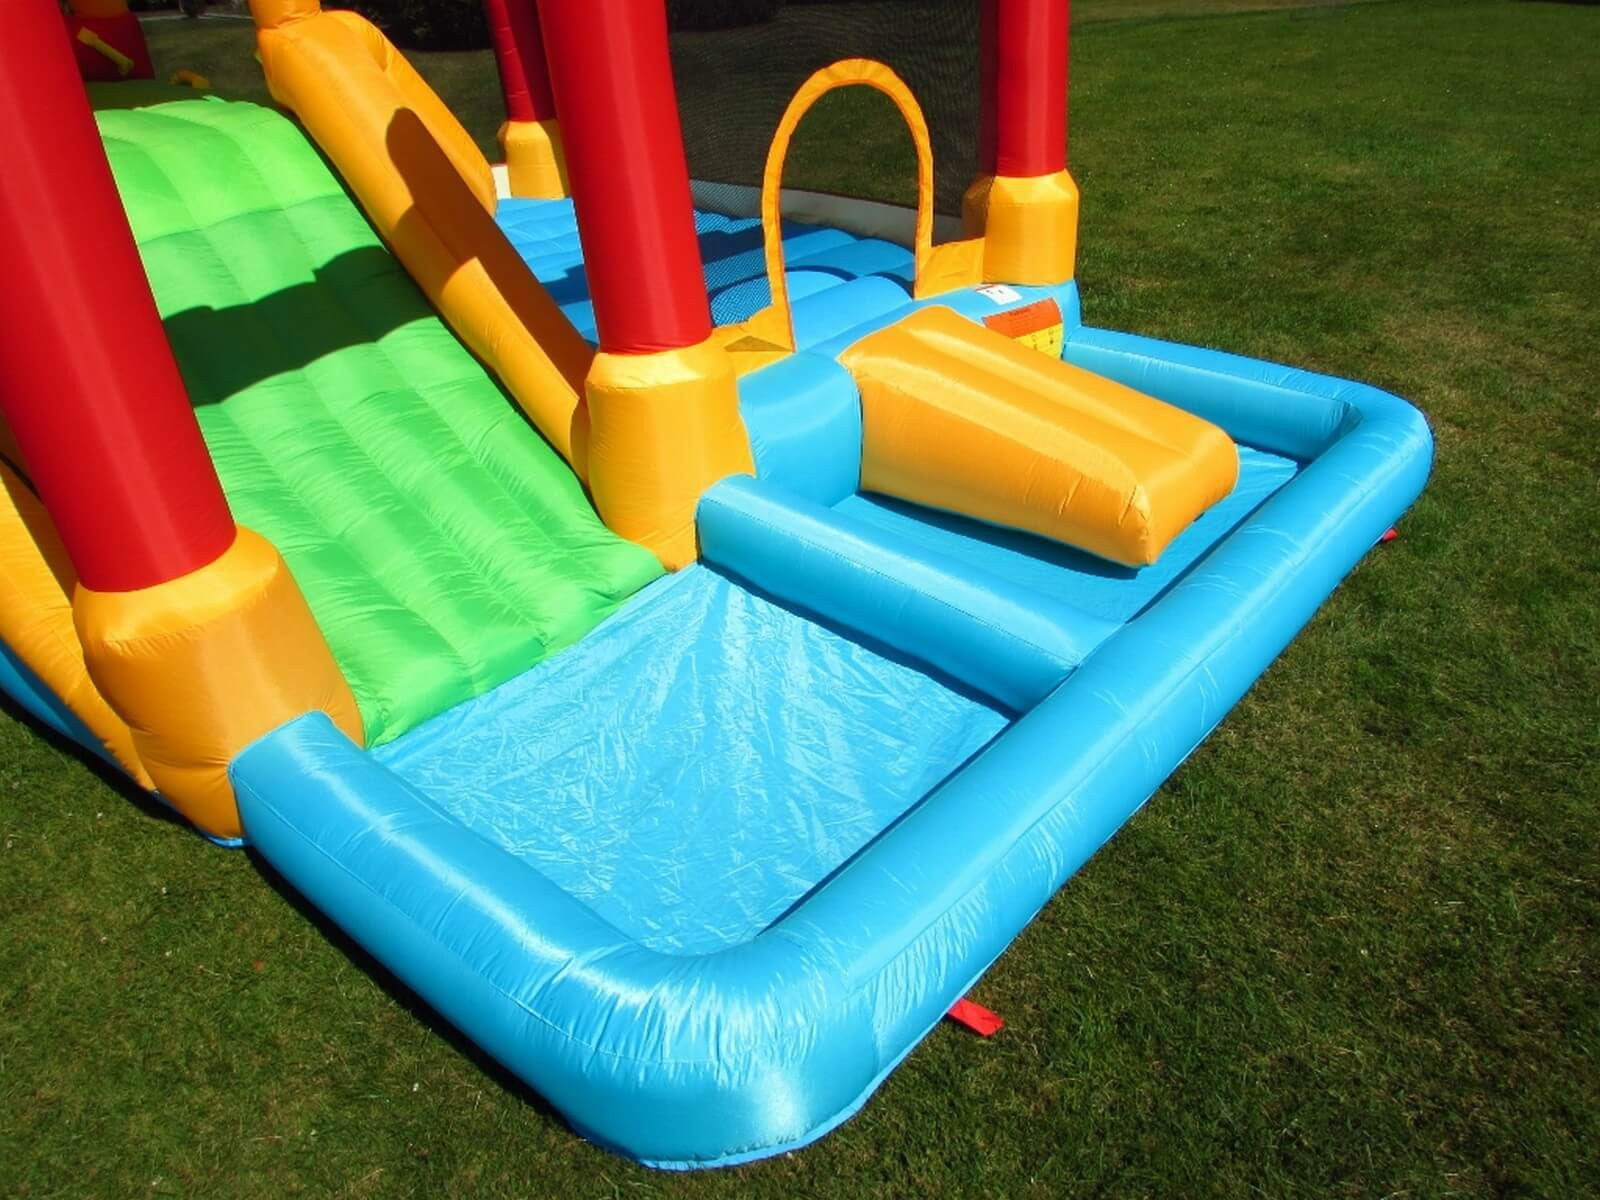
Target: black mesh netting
[[733, 86]]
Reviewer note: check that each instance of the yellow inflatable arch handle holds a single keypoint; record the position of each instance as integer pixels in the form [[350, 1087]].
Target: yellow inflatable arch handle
[[938, 268]]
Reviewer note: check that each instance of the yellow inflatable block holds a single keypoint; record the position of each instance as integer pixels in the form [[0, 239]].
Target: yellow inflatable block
[[203, 665], [36, 584], [536, 163], [962, 418]]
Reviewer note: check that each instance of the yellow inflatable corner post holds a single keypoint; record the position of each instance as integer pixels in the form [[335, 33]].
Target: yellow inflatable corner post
[[202, 665], [1029, 227], [536, 164], [430, 193], [36, 585], [649, 464], [962, 418]]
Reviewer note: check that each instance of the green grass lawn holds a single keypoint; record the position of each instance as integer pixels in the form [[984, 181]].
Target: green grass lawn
[[1351, 948]]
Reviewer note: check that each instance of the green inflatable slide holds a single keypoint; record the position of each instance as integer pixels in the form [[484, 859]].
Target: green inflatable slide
[[441, 543]]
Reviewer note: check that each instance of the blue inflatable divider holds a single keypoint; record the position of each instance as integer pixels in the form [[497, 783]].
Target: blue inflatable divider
[[711, 1058], [803, 416], [1005, 642]]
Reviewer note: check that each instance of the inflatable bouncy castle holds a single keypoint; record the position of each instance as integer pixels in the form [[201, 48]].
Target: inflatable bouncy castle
[[683, 626]]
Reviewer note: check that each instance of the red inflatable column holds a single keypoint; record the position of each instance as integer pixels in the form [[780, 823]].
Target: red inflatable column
[[663, 403], [612, 80], [108, 41], [1024, 202], [988, 77], [530, 137], [1029, 61], [87, 380]]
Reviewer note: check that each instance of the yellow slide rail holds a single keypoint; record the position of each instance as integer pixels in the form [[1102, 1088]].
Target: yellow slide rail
[[429, 192]]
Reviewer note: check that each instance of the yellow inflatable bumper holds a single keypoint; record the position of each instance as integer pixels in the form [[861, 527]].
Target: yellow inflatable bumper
[[37, 581]]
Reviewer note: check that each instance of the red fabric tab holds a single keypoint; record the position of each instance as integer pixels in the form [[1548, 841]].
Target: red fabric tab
[[976, 1017], [1389, 536]]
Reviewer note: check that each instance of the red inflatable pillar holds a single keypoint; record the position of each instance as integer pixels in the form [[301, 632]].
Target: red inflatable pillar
[[530, 137], [87, 380], [663, 403], [612, 80], [1024, 80], [1024, 202]]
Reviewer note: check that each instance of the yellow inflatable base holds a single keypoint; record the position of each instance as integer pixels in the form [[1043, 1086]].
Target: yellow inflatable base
[[536, 165], [962, 418], [202, 665], [664, 428], [1029, 227]]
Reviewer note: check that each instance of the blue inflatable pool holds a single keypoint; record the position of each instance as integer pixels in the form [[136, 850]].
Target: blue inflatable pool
[[706, 877]]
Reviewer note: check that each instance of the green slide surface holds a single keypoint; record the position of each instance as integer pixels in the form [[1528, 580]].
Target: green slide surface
[[441, 543]]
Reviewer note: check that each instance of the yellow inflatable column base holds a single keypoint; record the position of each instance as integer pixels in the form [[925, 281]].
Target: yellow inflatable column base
[[535, 162], [962, 418], [36, 584], [1029, 227], [203, 665], [663, 428]]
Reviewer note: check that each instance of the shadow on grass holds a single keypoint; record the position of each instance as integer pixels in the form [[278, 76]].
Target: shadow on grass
[[392, 985], [148, 803]]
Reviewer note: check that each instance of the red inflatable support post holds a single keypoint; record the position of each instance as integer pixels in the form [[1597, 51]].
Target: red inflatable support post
[[87, 381], [1023, 79], [988, 75], [612, 81], [519, 54]]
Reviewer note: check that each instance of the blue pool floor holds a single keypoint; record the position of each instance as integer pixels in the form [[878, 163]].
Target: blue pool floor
[[698, 763]]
